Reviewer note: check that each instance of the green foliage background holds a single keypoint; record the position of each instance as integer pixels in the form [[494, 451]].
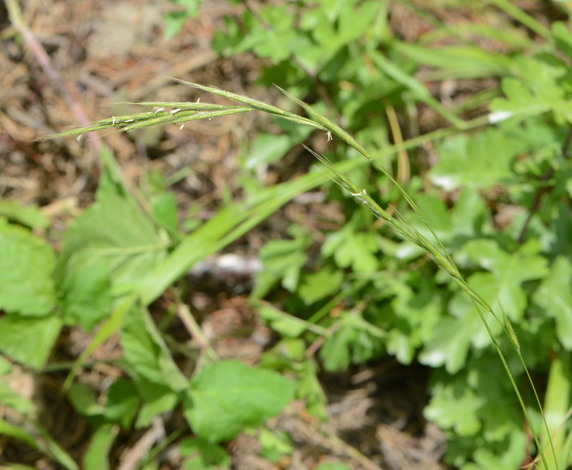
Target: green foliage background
[[502, 151]]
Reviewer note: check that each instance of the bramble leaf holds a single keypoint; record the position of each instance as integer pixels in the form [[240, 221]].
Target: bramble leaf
[[26, 264], [118, 237], [88, 292], [29, 340], [227, 397]]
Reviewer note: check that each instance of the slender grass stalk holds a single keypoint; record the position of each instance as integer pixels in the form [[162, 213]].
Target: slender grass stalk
[[182, 112]]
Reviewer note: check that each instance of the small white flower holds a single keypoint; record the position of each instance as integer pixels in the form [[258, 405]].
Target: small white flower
[[499, 116]]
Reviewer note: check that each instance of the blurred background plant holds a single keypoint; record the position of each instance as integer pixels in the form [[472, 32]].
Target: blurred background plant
[[466, 104]]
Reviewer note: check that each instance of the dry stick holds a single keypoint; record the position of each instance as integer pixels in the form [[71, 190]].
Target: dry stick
[[141, 449], [44, 59], [403, 166], [186, 317], [542, 190]]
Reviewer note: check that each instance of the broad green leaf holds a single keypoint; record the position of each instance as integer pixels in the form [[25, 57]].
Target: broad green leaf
[[336, 352], [84, 400], [563, 38], [310, 390], [509, 271], [270, 34], [122, 403], [28, 340], [509, 457], [335, 27], [468, 214], [536, 90], [228, 397], [417, 312], [145, 351], [455, 406], [479, 161], [450, 344], [5, 366], [174, 21], [97, 455], [332, 466], [26, 264], [200, 454], [274, 445], [554, 296], [282, 260], [349, 248], [164, 206], [117, 237], [266, 148], [436, 215], [355, 341], [86, 292], [30, 216], [156, 398], [108, 328], [318, 285]]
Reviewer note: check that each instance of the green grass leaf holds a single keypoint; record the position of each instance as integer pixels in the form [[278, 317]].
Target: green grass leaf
[[228, 397]]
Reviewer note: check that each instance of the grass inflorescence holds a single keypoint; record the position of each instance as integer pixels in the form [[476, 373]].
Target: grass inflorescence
[[181, 112]]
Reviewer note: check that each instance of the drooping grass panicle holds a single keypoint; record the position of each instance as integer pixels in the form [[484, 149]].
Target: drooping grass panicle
[[183, 112]]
